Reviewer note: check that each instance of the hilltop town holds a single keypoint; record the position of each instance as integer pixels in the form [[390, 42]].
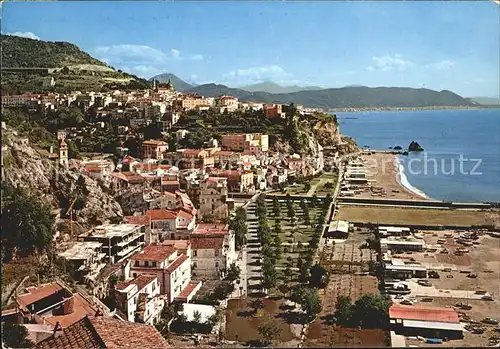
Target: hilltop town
[[156, 218]]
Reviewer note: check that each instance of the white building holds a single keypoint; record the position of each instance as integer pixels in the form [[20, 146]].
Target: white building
[[173, 270], [213, 250], [140, 299]]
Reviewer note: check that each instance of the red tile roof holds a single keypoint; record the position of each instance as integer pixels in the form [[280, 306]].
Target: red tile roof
[[211, 229], [141, 281], [100, 332], [141, 220], [186, 213], [206, 243], [157, 215], [117, 334], [186, 292], [35, 294], [130, 177], [79, 335], [154, 142], [154, 253], [81, 308], [423, 313], [177, 263]]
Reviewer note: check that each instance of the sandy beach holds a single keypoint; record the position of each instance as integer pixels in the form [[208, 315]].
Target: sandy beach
[[388, 179]]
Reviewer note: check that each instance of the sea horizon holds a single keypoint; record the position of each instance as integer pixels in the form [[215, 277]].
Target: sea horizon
[[461, 157]]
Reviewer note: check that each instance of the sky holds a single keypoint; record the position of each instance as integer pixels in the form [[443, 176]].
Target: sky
[[437, 45]]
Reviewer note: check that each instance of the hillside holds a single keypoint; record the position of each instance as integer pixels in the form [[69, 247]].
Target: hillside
[[72, 68], [272, 87], [179, 84], [486, 100], [346, 97]]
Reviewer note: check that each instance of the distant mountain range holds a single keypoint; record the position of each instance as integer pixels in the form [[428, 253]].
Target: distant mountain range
[[272, 87], [345, 97]]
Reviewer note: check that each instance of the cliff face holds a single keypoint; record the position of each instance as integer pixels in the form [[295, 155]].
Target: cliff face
[[327, 132], [45, 179]]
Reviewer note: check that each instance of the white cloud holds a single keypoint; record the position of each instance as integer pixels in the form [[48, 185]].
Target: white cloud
[[28, 35], [141, 60], [176, 54], [252, 75], [441, 65], [386, 63], [196, 57]]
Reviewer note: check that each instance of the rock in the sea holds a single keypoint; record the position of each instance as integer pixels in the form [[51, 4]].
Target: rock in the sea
[[397, 147], [414, 146]]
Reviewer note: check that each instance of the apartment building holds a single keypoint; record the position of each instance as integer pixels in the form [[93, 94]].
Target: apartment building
[[213, 250], [192, 102], [256, 143], [85, 259], [273, 111], [213, 197], [238, 181], [153, 149], [173, 269], [193, 158], [170, 224], [118, 240], [139, 299]]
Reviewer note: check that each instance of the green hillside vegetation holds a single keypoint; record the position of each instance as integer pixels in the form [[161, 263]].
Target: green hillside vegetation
[[76, 70]]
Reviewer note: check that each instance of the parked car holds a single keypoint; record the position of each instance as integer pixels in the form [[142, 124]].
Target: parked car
[[406, 302], [490, 321], [487, 298], [427, 299], [399, 296]]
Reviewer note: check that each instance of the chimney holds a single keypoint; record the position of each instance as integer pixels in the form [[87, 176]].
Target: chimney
[[69, 306], [57, 330]]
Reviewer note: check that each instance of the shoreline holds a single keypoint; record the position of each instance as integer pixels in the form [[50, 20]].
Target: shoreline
[[403, 181], [368, 109]]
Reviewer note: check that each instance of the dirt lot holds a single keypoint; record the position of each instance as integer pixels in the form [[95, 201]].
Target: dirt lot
[[241, 322], [345, 338], [483, 260], [416, 216], [346, 260]]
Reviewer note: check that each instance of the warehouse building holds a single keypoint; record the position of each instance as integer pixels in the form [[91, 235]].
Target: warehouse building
[[429, 322], [338, 229]]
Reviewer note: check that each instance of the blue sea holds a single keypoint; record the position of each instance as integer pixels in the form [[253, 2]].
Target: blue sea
[[461, 161]]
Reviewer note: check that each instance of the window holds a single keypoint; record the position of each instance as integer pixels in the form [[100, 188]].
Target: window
[[134, 274], [216, 264], [146, 264], [216, 252], [154, 264], [195, 253]]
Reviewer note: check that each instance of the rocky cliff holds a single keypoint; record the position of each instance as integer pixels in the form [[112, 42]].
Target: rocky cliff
[[26, 167]]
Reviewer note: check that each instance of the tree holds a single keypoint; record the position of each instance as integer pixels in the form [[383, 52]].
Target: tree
[[310, 302], [26, 225], [278, 249], [133, 147], [284, 289], [233, 272], [371, 311], [307, 186], [256, 304], [288, 273], [15, 336], [73, 152], [314, 200], [276, 207], [269, 330], [343, 311], [197, 317], [319, 276]]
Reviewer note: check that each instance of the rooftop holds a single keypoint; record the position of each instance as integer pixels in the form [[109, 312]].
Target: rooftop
[[35, 294], [100, 332], [81, 308], [211, 229], [80, 250], [205, 243], [138, 220], [177, 263], [111, 230], [163, 214], [154, 253], [420, 313], [141, 281]]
